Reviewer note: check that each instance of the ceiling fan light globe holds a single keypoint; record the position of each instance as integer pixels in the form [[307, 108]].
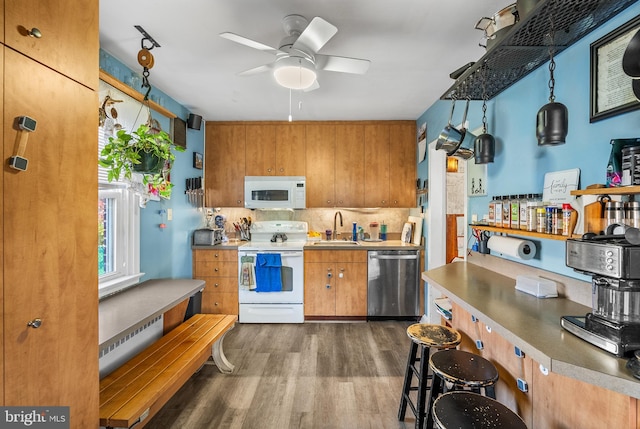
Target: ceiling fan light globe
[[295, 73]]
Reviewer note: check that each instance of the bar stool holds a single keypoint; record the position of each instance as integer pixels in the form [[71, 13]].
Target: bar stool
[[459, 409], [464, 370], [460, 370], [425, 336]]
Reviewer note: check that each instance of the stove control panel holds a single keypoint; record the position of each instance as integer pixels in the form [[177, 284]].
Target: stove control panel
[[603, 258]]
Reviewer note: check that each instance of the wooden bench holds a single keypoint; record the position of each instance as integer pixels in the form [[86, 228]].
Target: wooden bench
[[138, 389]]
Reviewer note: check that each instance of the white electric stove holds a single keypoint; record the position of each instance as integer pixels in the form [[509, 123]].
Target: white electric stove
[[259, 304]]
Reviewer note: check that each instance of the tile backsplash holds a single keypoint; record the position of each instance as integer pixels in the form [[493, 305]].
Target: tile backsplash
[[322, 219]]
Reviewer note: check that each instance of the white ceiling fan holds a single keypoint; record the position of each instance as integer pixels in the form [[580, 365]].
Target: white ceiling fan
[[297, 59]]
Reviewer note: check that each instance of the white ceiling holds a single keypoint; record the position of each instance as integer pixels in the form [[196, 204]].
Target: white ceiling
[[413, 45]]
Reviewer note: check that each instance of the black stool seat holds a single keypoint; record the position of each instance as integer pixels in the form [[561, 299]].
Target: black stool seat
[[468, 410], [463, 368]]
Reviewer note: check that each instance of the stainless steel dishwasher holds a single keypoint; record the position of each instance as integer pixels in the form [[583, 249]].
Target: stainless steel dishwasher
[[393, 284]]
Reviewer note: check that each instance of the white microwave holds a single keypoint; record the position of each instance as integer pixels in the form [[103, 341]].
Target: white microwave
[[275, 192]]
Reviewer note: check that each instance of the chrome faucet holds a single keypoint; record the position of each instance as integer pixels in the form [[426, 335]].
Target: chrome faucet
[[335, 231]]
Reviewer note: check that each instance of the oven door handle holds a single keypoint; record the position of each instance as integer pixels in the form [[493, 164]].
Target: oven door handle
[[283, 254]]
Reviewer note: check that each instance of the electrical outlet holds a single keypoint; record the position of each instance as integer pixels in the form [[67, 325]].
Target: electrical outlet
[[169, 214], [474, 218]]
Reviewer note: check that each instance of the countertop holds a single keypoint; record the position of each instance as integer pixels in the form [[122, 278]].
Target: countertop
[[532, 324], [133, 307], [309, 245]]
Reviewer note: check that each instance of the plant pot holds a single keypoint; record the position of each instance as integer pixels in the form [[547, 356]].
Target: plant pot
[[149, 163]]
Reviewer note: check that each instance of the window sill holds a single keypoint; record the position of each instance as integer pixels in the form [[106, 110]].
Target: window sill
[[111, 287]]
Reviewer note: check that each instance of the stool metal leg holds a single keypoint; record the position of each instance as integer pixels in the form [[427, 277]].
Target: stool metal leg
[[421, 411], [423, 375], [437, 388], [406, 387]]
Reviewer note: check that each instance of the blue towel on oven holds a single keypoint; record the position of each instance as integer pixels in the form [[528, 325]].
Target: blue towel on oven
[[268, 272]]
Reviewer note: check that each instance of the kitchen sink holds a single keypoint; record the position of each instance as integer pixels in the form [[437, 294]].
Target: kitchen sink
[[335, 243]]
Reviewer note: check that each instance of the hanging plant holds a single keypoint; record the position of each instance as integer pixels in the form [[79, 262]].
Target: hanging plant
[[148, 151]]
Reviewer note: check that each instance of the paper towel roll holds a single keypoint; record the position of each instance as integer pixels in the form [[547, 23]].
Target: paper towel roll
[[516, 247]]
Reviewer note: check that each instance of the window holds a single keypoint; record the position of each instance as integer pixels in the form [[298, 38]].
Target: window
[[118, 232]]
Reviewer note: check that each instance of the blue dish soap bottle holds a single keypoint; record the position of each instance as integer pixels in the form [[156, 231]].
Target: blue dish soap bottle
[[354, 232]]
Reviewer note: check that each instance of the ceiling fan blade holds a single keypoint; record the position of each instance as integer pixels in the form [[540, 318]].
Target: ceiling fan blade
[[257, 70], [314, 85], [316, 35], [342, 64], [250, 43]]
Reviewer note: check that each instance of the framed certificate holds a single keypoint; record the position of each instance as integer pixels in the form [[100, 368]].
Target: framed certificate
[[611, 88]]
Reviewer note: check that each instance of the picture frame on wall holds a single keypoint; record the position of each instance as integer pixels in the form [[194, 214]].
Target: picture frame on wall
[[197, 160], [611, 88]]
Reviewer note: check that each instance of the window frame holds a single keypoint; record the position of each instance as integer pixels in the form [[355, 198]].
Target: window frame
[[127, 240]]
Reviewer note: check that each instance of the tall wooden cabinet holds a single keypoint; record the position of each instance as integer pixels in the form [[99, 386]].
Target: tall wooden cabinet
[[49, 291], [376, 160], [403, 159], [320, 160], [225, 164], [349, 165]]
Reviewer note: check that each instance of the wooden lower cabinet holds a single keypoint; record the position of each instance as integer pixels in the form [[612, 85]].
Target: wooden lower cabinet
[[335, 283], [219, 269], [552, 400]]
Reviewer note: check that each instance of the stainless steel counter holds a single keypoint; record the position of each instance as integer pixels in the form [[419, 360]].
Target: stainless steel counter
[[532, 324], [132, 308]]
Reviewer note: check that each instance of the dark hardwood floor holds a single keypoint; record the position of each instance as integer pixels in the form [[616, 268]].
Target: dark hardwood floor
[[311, 375]]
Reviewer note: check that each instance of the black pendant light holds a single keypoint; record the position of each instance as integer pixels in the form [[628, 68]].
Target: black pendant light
[[553, 118], [485, 144]]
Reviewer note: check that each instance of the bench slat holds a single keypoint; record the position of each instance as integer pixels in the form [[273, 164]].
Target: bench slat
[[149, 379]]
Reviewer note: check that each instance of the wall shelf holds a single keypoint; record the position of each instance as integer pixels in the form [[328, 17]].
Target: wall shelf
[[106, 77], [525, 47], [520, 232], [621, 190]]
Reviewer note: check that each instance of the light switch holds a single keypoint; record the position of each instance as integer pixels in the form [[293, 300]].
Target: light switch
[[169, 214]]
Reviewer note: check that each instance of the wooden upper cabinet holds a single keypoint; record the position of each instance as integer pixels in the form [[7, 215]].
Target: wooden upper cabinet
[[260, 150], [402, 164], [68, 39], [225, 147], [290, 150], [320, 164], [349, 164], [275, 150], [376, 165]]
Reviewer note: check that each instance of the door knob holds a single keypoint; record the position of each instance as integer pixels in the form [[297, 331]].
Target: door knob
[[35, 323]]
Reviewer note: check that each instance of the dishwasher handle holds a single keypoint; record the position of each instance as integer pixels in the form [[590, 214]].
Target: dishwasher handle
[[374, 255]]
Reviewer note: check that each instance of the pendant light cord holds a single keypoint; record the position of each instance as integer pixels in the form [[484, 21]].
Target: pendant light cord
[[483, 74], [552, 63]]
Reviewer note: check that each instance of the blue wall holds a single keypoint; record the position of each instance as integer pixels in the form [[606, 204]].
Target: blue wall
[[166, 252], [520, 164]]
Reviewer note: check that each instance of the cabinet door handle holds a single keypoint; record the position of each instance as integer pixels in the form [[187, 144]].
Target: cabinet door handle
[[328, 286], [35, 32], [35, 323]]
